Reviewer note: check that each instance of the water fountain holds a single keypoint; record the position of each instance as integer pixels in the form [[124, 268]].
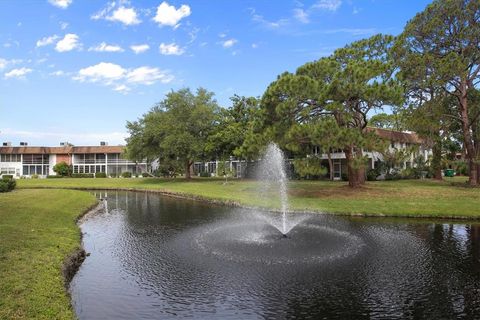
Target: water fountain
[[273, 185]]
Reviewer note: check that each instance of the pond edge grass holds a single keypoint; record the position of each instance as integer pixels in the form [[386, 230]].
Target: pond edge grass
[[233, 203], [74, 260]]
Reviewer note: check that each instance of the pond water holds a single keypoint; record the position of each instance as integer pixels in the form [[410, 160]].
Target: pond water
[[154, 257]]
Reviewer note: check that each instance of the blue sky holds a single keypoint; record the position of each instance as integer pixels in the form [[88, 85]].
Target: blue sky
[[77, 70]]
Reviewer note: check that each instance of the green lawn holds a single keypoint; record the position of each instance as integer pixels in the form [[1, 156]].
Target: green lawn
[[423, 198], [37, 232]]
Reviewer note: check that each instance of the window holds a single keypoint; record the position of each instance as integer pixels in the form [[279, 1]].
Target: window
[[7, 171]]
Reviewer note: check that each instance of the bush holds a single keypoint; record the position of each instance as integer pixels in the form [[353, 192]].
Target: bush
[[7, 177], [82, 175], [205, 174], [100, 175], [344, 176], [62, 169], [55, 177], [126, 174], [409, 173], [34, 176], [7, 185], [372, 175], [145, 175], [113, 175]]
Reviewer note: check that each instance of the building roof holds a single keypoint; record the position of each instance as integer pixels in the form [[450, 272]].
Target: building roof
[[397, 136], [61, 150]]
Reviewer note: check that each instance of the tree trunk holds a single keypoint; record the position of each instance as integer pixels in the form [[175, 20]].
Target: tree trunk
[[330, 164], [354, 179], [188, 174], [437, 161], [473, 175]]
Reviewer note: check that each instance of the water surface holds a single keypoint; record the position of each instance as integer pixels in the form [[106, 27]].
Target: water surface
[[154, 257]]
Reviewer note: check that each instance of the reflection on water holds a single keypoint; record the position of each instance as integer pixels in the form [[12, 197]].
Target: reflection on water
[[154, 257]]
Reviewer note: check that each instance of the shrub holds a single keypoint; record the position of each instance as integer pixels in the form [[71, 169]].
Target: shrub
[[100, 175], [54, 177], [205, 174], [7, 177], [34, 176], [62, 169], [7, 185], [82, 175], [126, 174], [145, 175], [409, 173], [372, 175], [344, 176], [113, 175]]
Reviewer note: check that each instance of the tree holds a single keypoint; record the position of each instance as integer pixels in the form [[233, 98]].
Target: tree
[[393, 121], [233, 127], [443, 41], [176, 129], [62, 169], [348, 85]]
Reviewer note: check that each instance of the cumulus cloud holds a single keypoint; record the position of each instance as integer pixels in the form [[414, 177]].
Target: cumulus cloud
[[139, 48], [167, 15], [330, 5], [104, 47], [18, 73], [118, 13], [63, 4], [104, 72], [47, 41], [171, 49], [148, 76], [120, 78], [229, 43], [68, 43]]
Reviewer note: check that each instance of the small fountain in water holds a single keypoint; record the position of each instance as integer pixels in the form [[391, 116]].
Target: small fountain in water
[[274, 180]]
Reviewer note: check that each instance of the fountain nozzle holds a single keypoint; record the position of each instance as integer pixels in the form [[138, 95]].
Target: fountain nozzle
[[284, 235]]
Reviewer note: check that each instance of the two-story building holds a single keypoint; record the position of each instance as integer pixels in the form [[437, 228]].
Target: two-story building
[[27, 160], [397, 141]]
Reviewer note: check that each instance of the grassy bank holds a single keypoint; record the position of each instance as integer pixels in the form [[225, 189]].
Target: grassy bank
[[37, 232], [416, 198]]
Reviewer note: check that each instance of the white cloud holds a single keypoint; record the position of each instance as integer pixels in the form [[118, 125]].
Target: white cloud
[[68, 43], [5, 63], [120, 78], [47, 40], [57, 73], [171, 49], [167, 15], [63, 4], [254, 45], [148, 76], [139, 48], [122, 89], [301, 15], [18, 73], [229, 43], [266, 23], [127, 16], [330, 5], [63, 25], [104, 47], [105, 72]]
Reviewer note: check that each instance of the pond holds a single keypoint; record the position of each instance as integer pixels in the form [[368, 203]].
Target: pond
[[155, 257]]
